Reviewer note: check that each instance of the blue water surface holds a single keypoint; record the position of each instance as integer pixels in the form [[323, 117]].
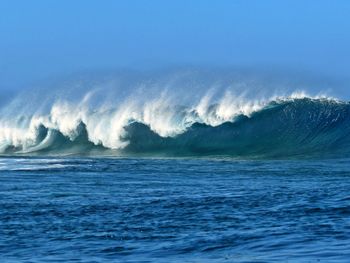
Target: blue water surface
[[174, 210]]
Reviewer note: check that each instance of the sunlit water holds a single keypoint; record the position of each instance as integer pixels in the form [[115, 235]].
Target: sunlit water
[[174, 210]]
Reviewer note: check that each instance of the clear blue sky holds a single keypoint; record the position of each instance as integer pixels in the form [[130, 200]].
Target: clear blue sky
[[44, 38]]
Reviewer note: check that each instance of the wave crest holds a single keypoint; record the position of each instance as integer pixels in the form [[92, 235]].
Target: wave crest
[[233, 125]]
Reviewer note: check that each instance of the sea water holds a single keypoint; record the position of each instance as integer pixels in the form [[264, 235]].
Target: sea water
[[174, 210]]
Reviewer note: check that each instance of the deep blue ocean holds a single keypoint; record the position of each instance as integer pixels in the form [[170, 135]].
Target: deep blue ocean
[[174, 210]]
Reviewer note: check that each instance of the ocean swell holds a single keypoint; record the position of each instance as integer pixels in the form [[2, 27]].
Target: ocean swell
[[291, 126]]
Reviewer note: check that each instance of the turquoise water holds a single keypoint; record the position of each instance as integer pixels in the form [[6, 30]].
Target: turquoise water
[[285, 128], [174, 210]]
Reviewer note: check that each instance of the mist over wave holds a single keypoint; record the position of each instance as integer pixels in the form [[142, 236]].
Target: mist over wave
[[182, 114]]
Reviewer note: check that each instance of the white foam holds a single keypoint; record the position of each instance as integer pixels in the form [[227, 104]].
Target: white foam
[[106, 124]]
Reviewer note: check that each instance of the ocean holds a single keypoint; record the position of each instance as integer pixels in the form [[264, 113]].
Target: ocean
[[152, 177], [289, 127], [174, 131], [210, 209]]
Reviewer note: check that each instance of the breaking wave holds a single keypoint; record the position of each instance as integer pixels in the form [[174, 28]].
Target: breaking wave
[[295, 125], [176, 113]]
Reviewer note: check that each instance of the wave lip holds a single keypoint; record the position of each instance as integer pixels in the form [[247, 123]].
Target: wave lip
[[296, 126]]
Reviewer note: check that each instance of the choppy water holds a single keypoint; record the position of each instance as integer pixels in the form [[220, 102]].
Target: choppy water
[[174, 210]]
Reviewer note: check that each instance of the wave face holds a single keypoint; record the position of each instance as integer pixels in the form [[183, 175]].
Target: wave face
[[294, 126], [175, 113]]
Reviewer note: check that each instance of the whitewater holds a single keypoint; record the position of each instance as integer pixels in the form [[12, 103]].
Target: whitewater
[[155, 120]]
